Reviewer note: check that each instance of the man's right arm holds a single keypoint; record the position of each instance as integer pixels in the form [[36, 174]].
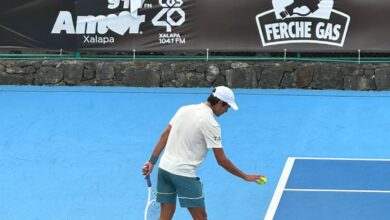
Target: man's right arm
[[148, 166]]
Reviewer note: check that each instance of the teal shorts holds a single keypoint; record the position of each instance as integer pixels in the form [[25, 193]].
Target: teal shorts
[[189, 190]]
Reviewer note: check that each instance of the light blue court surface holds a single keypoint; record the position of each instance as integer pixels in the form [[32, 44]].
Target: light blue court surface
[[320, 188], [76, 152]]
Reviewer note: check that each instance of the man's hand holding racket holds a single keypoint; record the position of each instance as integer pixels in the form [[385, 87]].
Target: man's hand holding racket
[[152, 209], [147, 169]]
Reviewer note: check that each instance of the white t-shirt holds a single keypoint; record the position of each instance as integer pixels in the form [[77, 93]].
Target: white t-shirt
[[194, 131]]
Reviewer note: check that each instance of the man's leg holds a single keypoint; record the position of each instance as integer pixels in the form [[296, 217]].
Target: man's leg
[[190, 193], [166, 195], [167, 211], [198, 213]]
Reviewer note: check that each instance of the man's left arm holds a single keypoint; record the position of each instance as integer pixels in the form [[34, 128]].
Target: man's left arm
[[230, 167]]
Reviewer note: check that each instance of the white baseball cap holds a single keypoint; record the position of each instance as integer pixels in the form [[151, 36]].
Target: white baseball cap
[[225, 94]]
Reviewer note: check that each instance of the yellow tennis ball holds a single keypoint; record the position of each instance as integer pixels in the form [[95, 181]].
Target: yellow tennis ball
[[262, 180]]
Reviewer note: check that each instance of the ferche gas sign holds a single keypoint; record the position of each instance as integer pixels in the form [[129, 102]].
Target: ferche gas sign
[[303, 21]]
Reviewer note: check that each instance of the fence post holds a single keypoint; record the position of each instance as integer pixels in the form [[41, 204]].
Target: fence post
[[359, 55]]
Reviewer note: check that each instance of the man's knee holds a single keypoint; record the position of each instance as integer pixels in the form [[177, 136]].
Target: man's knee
[[198, 213], [167, 211]]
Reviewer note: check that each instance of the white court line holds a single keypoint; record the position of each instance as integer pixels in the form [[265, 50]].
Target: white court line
[[352, 159], [279, 189], [338, 190]]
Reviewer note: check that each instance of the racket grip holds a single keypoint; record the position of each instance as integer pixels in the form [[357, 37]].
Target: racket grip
[[148, 181]]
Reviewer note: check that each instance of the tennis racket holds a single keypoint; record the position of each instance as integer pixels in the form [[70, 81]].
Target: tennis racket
[[152, 210]]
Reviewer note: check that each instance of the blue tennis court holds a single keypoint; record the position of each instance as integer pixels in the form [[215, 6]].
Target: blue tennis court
[[76, 152], [320, 188]]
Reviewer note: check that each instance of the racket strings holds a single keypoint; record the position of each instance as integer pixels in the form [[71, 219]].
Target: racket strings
[[153, 211]]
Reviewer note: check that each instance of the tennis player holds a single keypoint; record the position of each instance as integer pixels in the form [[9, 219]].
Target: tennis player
[[192, 131]]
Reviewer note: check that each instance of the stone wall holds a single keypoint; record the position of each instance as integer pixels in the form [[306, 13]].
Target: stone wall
[[236, 74]]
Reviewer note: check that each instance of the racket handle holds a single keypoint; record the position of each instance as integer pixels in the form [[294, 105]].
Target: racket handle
[[146, 169], [148, 181]]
